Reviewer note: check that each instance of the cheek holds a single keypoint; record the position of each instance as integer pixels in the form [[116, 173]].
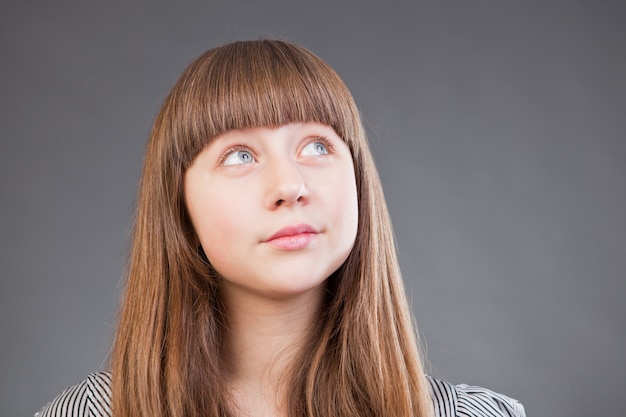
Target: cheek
[[215, 230], [351, 205], [212, 216], [343, 202]]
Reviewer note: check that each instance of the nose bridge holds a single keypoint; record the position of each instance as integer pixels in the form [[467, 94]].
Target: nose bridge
[[285, 182]]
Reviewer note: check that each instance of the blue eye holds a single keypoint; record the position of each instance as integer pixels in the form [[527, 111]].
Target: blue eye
[[238, 158], [315, 148]]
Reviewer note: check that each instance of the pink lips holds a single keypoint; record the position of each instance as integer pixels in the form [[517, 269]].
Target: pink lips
[[293, 237]]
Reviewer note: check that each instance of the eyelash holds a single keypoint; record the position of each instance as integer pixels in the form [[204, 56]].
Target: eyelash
[[324, 140], [235, 148]]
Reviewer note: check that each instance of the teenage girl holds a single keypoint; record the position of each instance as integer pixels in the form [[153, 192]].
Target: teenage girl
[[263, 278]]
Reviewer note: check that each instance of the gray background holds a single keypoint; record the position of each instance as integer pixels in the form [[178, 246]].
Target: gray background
[[498, 128]]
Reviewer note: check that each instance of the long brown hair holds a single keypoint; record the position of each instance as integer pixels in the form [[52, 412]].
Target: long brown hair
[[362, 358]]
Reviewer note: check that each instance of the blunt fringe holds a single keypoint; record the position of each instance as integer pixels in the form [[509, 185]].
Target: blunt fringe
[[167, 360]]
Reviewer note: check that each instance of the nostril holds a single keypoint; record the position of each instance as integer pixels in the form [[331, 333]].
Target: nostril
[[279, 202]]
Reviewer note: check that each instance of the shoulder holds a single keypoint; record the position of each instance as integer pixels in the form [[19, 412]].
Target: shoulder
[[89, 398], [471, 401]]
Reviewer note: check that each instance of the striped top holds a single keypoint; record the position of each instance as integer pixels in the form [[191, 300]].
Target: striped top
[[92, 398]]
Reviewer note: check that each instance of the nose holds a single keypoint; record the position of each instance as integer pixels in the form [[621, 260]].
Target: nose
[[285, 185]]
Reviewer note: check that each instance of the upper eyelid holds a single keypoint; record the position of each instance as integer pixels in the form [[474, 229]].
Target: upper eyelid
[[234, 148], [307, 140], [319, 138]]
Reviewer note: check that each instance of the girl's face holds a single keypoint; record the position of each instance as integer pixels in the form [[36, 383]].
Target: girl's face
[[275, 209]]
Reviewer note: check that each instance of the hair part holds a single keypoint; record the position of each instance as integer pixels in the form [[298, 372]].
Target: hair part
[[167, 361]]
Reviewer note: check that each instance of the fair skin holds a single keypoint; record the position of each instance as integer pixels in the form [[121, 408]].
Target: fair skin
[[275, 210]]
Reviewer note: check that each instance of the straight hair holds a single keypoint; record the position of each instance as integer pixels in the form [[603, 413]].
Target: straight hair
[[362, 358]]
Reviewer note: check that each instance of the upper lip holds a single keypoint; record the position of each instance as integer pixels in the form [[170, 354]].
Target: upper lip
[[292, 231]]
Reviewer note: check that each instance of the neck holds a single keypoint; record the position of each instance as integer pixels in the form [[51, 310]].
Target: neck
[[264, 338]]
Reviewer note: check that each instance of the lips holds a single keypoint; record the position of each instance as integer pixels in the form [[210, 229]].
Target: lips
[[293, 237]]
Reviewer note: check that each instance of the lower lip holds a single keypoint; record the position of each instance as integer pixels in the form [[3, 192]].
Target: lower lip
[[293, 242]]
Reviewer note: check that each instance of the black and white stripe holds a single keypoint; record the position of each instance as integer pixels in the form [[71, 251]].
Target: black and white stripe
[[92, 398], [471, 401], [88, 398]]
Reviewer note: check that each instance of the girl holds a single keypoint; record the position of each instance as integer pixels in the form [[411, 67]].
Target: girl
[[263, 278]]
